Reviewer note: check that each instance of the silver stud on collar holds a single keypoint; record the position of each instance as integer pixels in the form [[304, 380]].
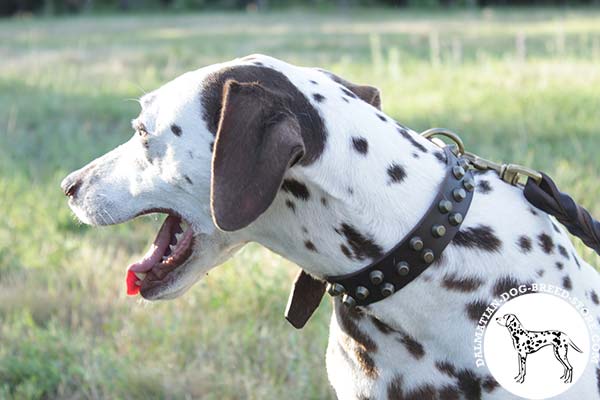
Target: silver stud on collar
[[469, 184], [428, 256], [387, 289], [402, 268], [376, 277], [362, 292], [455, 219], [445, 206], [335, 289], [416, 243], [438, 231], [349, 301], [459, 194], [458, 172]]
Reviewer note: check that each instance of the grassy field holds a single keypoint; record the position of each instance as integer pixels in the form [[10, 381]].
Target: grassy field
[[518, 85]]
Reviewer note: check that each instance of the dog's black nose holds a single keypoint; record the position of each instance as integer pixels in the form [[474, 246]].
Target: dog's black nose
[[70, 185]]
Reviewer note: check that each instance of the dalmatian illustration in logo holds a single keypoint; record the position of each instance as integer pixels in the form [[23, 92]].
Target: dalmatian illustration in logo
[[527, 342]]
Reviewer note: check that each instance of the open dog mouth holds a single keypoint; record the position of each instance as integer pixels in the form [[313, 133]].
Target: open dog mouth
[[170, 250]]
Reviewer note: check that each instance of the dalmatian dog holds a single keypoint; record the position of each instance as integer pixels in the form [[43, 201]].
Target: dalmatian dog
[[527, 342], [306, 164]]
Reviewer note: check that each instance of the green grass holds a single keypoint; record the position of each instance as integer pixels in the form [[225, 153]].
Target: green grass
[[519, 85]]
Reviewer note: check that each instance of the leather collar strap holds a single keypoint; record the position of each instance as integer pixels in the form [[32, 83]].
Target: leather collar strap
[[405, 262]]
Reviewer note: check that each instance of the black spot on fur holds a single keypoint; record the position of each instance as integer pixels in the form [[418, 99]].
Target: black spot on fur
[[258, 63], [555, 227], [546, 243], [461, 284], [598, 378], [533, 211], [348, 92], [440, 156], [559, 265], [412, 346], [318, 97], [310, 246], [324, 202], [347, 319], [350, 191], [481, 237], [448, 392], [415, 155], [364, 344], [362, 246], [594, 297], [314, 82], [504, 284], [346, 251], [290, 204], [312, 128], [446, 367], [566, 283], [484, 187], [412, 140], [563, 251], [540, 272], [381, 327], [381, 117], [475, 309], [304, 229], [187, 178], [576, 260], [212, 146], [524, 243], [395, 391], [176, 129], [469, 384], [360, 144], [489, 384], [296, 188], [192, 154], [396, 173]]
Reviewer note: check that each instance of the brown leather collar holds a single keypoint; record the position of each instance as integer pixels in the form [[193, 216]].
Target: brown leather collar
[[403, 263]]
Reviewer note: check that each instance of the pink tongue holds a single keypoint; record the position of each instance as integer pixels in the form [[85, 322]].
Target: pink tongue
[[158, 248]]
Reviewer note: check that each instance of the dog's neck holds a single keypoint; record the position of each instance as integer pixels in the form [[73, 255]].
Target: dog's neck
[[372, 185]]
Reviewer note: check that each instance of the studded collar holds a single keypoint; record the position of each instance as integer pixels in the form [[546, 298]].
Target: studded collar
[[404, 262]]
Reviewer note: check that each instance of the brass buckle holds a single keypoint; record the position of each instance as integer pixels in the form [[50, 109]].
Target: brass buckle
[[509, 173], [512, 173]]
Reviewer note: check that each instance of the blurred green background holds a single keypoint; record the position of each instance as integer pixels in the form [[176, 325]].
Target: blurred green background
[[520, 85]]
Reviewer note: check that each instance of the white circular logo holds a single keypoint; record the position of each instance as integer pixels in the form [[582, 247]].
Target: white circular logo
[[536, 345]]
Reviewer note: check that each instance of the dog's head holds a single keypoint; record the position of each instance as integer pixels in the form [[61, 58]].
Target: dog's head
[[508, 320], [210, 151]]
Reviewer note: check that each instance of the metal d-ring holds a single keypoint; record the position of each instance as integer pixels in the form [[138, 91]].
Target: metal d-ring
[[431, 133]]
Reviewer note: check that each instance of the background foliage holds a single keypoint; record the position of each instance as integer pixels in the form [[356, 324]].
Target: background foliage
[[519, 85], [11, 7]]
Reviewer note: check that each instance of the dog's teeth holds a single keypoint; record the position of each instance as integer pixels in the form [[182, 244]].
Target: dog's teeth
[[184, 226], [140, 275]]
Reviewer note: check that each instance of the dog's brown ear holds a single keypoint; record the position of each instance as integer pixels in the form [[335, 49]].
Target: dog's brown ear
[[369, 94], [366, 93], [258, 139]]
